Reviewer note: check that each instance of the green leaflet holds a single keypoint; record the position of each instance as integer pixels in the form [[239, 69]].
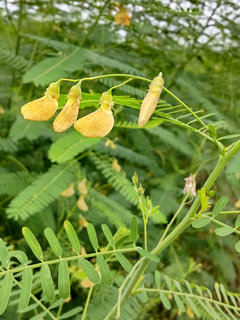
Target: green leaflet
[[237, 246], [92, 236], [123, 261], [148, 255], [19, 255], [71, 313], [224, 231], [33, 243], [63, 280], [108, 234], [165, 301], [72, 236], [47, 282], [43, 191], [5, 291], [25, 293], [4, 255], [134, 229], [179, 302], [69, 146], [221, 203], [201, 222], [90, 271], [106, 276], [53, 241]]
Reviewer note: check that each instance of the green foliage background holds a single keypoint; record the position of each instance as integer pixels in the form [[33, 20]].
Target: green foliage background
[[196, 46]]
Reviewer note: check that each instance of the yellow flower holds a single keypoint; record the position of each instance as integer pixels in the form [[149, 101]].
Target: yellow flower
[[98, 123], [116, 166], [68, 192], [68, 116], [44, 108], [150, 101], [122, 16], [82, 187], [81, 203]]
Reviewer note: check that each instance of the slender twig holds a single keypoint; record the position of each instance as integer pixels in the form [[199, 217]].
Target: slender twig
[[174, 217], [191, 295], [72, 258], [87, 302]]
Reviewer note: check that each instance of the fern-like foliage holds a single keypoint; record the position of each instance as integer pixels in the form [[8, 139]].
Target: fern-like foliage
[[9, 58], [104, 207], [72, 58], [18, 279], [7, 145], [115, 178], [199, 299], [41, 192], [70, 145], [30, 130], [104, 299], [13, 182], [124, 153]]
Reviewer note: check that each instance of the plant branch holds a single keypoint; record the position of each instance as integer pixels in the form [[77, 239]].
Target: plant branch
[[223, 160]]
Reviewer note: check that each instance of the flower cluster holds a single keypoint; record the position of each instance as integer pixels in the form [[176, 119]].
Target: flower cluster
[[96, 124]]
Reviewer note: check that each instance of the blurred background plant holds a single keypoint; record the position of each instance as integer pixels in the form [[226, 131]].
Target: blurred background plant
[[196, 46]]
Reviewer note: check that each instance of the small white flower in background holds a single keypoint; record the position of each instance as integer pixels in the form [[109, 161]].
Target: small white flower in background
[[190, 186]]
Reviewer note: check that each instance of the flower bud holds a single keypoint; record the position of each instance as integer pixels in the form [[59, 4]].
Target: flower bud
[[98, 123], [190, 186], [81, 203], [116, 166], [68, 116], [150, 101], [44, 108], [82, 187], [68, 192]]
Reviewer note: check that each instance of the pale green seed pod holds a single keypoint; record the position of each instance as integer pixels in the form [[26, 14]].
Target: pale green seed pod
[[150, 101], [68, 116], [98, 123], [44, 108]]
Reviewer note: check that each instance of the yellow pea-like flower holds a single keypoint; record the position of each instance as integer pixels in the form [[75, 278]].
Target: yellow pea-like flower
[[81, 203], [150, 101], [98, 123], [44, 108], [68, 116], [68, 192], [82, 187]]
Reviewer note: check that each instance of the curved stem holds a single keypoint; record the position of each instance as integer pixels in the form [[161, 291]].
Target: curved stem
[[119, 85], [105, 76], [223, 160]]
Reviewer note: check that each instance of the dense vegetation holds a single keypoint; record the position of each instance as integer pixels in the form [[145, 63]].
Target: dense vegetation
[[99, 196]]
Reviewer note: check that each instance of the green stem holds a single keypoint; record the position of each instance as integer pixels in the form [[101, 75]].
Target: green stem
[[223, 212], [223, 160], [55, 261], [145, 234], [185, 106], [87, 302], [224, 225], [174, 217], [105, 76], [119, 85], [189, 295]]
